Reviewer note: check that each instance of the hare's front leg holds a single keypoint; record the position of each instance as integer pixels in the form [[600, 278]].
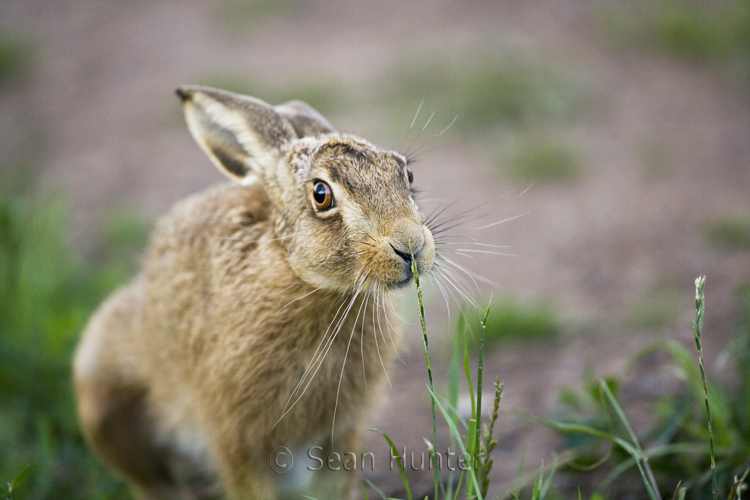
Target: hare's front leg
[[247, 478], [337, 467]]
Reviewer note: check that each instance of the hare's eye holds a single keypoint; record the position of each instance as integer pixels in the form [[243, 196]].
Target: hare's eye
[[409, 175], [322, 196]]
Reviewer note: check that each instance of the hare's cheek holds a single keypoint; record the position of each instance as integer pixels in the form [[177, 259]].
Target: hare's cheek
[[426, 258]]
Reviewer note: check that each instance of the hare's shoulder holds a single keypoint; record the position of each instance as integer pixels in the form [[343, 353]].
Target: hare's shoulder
[[216, 212], [236, 204], [222, 205]]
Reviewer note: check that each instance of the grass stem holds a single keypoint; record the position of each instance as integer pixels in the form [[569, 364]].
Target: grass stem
[[700, 309], [429, 368]]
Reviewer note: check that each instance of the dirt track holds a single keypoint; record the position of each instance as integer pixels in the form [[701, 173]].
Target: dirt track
[[98, 113]]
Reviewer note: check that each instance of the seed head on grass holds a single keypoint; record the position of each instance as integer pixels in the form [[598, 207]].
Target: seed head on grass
[[700, 309], [415, 271]]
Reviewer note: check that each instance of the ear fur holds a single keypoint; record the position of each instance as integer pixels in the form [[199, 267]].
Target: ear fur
[[241, 135], [307, 122]]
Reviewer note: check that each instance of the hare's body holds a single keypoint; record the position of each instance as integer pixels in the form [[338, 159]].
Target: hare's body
[[257, 320]]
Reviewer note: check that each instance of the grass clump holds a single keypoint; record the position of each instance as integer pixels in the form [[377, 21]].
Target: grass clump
[[701, 437], [543, 159], [17, 481], [515, 320], [16, 53], [655, 311], [729, 231], [689, 30], [485, 93], [254, 13], [47, 292]]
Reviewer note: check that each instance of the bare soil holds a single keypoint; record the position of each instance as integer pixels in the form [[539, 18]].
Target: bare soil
[[99, 115]]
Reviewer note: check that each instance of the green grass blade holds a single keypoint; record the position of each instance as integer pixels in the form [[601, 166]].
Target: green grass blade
[[471, 448], [364, 491], [656, 451], [454, 431], [458, 486], [536, 493], [453, 381], [642, 459], [19, 479], [700, 309], [377, 490], [548, 482], [399, 462], [467, 372], [454, 411], [480, 369], [520, 475], [433, 456]]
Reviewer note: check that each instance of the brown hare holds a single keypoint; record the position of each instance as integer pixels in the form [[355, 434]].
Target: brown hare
[[257, 320]]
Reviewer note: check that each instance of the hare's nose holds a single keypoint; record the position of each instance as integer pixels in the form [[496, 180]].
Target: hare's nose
[[406, 256], [407, 242]]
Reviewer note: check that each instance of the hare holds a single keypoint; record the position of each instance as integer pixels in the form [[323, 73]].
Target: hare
[[257, 320]]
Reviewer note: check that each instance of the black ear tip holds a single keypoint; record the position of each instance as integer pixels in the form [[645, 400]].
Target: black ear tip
[[184, 93]]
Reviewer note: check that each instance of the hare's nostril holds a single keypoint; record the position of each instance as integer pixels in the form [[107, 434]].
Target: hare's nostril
[[405, 255]]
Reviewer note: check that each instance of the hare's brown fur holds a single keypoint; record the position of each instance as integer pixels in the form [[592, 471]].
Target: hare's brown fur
[[243, 289]]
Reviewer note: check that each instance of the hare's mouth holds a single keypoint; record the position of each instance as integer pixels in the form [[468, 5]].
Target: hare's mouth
[[401, 284], [408, 278]]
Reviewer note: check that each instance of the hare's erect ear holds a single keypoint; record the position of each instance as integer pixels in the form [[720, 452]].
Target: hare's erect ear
[[306, 121], [241, 135]]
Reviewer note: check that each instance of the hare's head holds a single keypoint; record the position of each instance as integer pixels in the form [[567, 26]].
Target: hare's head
[[345, 211]]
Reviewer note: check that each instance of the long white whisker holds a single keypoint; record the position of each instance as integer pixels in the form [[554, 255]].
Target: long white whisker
[[377, 345], [323, 342], [501, 221], [346, 354]]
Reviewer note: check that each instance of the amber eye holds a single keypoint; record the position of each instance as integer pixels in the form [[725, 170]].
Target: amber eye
[[322, 196], [409, 175]]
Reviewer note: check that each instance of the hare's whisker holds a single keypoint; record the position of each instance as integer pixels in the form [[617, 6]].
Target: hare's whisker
[[502, 221], [445, 296], [453, 263], [457, 252], [362, 342], [478, 277], [315, 356], [447, 274], [419, 134], [346, 354], [419, 108], [323, 342], [323, 355], [471, 243], [377, 344], [299, 298], [420, 150]]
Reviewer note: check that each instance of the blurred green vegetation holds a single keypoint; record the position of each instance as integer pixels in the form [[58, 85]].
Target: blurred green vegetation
[[16, 55], [677, 441], [514, 320], [482, 91], [47, 291], [730, 231], [542, 158], [653, 156], [240, 14], [699, 31], [657, 309]]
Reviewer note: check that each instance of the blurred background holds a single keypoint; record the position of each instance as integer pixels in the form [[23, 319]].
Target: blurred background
[[618, 132]]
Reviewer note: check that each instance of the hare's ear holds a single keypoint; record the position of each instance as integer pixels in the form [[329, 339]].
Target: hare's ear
[[242, 135], [307, 122]]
